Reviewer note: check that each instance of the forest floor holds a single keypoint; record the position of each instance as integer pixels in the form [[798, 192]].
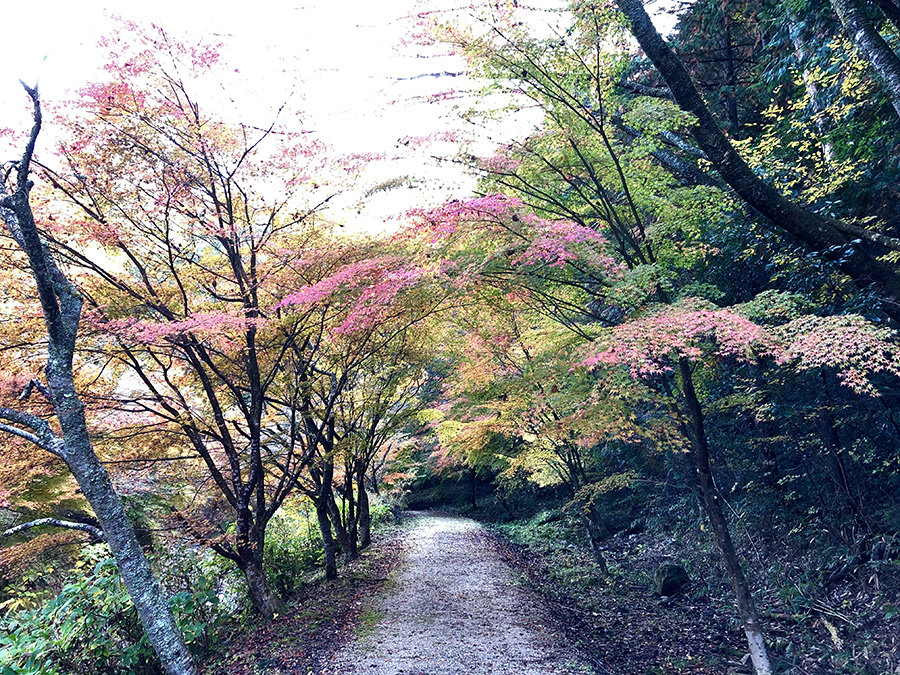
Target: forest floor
[[441, 595], [624, 627], [432, 598], [321, 616]]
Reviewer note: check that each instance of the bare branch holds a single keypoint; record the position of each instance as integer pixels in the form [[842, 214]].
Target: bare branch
[[55, 522], [31, 386], [41, 434]]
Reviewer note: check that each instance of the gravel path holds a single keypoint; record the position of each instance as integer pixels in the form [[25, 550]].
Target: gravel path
[[453, 609]]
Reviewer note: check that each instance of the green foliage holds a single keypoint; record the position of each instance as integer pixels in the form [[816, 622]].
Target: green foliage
[[91, 626], [196, 583], [25, 592], [381, 510], [548, 530], [293, 546]]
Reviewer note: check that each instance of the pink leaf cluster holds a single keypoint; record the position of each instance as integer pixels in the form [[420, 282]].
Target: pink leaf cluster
[[849, 344], [507, 220], [447, 219], [650, 346], [501, 162], [557, 242], [853, 346], [152, 332], [364, 291]]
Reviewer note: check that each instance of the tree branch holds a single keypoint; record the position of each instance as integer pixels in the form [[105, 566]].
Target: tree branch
[[877, 51], [31, 386], [42, 436], [817, 232], [55, 522]]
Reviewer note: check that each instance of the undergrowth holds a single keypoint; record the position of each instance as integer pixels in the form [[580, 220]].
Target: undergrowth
[[813, 627]]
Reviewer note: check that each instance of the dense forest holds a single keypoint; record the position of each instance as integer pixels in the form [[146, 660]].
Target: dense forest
[[656, 351]]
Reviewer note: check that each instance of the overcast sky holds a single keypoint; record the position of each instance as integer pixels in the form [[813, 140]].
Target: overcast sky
[[360, 88]]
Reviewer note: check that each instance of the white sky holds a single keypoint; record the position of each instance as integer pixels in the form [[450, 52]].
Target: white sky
[[359, 88]]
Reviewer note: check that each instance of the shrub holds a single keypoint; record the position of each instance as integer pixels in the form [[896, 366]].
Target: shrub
[[292, 546], [196, 585], [383, 510], [92, 628]]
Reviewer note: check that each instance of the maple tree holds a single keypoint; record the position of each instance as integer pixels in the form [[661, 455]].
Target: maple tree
[[181, 294], [552, 183], [375, 408], [215, 289], [61, 303], [370, 304]]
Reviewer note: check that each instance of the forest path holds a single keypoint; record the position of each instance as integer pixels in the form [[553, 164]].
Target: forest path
[[453, 608]]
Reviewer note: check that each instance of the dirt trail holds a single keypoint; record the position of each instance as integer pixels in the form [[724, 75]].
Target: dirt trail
[[453, 609]]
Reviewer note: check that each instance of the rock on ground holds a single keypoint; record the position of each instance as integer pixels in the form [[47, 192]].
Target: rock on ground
[[454, 608]]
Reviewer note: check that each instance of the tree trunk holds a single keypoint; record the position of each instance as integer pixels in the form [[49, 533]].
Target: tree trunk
[[817, 232], [61, 304], [713, 507], [593, 535], [365, 515], [770, 489], [729, 76], [351, 517], [838, 468], [265, 600], [327, 538], [152, 606], [472, 488], [877, 51], [340, 532]]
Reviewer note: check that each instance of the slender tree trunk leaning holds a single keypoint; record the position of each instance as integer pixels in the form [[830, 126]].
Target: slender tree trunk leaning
[[820, 233], [594, 538], [322, 478], [340, 532], [868, 40], [838, 468], [351, 514], [713, 507], [250, 547], [61, 304], [729, 76]]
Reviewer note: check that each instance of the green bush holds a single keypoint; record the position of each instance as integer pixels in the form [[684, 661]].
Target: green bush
[[292, 547], [383, 510], [92, 628], [194, 584]]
